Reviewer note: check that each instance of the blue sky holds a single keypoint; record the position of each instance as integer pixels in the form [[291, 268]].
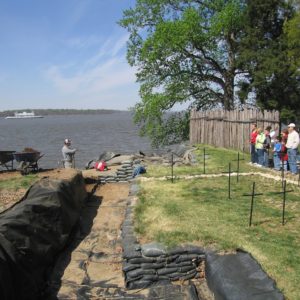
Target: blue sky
[[64, 54]]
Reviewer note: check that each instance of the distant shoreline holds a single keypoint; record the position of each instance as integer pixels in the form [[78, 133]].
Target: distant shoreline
[[49, 112]]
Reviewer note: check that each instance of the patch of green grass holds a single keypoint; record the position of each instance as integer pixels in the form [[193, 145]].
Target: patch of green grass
[[18, 183], [217, 161], [199, 211]]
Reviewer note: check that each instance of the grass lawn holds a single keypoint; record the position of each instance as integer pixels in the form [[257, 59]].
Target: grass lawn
[[199, 211], [18, 183], [217, 161]]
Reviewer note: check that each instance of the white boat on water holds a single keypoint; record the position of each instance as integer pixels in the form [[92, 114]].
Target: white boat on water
[[24, 115]]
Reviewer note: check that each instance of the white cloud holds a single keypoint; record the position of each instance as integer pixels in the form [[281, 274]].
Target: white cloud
[[106, 71]]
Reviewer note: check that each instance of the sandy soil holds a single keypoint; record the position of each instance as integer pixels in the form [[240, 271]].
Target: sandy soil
[[95, 261]]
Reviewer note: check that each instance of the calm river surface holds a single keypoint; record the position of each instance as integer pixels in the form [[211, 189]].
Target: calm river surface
[[90, 134]]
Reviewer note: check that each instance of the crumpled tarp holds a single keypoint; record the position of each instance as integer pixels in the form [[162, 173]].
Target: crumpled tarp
[[238, 276], [33, 232]]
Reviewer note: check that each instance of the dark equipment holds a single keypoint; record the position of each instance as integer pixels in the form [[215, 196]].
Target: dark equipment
[[28, 161], [7, 159]]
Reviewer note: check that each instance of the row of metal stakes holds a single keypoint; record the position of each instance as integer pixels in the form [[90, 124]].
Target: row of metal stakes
[[253, 194]]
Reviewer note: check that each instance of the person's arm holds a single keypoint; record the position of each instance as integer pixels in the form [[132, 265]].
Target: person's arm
[[69, 151], [296, 140]]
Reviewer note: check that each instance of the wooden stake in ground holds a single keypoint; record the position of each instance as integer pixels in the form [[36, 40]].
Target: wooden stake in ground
[[252, 195]]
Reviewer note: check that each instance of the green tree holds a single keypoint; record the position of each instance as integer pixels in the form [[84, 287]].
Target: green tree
[[263, 54], [292, 32], [185, 51]]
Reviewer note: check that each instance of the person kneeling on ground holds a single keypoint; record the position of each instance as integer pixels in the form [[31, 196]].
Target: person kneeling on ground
[[68, 154]]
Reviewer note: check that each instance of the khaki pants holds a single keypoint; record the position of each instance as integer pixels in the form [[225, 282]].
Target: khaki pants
[[68, 165]]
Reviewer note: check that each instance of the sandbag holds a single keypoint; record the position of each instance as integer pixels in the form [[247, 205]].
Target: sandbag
[[153, 250], [34, 231]]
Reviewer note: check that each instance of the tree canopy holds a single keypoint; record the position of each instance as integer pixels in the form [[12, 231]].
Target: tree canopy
[[205, 54]]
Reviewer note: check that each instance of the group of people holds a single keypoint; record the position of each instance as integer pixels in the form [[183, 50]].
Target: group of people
[[279, 148]]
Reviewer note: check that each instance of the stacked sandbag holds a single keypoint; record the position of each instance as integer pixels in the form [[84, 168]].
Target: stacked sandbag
[[123, 174], [126, 170], [152, 263]]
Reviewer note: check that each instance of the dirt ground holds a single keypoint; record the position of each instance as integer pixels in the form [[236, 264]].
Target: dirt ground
[[94, 261], [9, 197]]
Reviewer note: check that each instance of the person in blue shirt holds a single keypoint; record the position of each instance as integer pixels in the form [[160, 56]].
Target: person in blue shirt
[[277, 154]]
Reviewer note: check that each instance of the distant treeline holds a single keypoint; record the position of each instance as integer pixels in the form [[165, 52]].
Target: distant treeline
[[45, 112]]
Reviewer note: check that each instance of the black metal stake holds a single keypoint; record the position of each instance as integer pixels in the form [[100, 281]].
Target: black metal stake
[[229, 181], [282, 172], [252, 203], [238, 168], [283, 203], [204, 162], [172, 168], [284, 192], [252, 195]]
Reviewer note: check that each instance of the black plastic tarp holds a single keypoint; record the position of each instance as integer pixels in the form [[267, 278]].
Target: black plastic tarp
[[239, 277], [33, 232]]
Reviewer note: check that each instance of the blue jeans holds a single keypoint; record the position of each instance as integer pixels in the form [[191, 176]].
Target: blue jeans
[[292, 159], [260, 156], [277, 161], [253, 154]]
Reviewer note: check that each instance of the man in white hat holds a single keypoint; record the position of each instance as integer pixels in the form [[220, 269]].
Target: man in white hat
[[68, 154], [292, 146]]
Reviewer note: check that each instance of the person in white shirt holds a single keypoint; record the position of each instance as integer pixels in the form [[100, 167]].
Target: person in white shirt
[[68, 154], [292, 148]]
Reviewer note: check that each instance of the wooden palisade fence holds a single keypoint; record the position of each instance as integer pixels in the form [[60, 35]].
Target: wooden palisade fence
[[229, 129]]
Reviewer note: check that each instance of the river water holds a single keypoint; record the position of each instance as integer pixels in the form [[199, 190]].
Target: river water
[[90, 134]]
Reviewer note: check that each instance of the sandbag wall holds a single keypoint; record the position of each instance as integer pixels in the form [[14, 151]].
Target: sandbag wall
[[123, 174], [34, 231], [151, 263]]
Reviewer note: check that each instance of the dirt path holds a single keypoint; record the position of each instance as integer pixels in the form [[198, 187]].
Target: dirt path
[[290, 179], [93, 265]]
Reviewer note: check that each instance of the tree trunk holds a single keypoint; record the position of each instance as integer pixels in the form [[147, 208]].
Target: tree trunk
[[229, 74], [229, 91]]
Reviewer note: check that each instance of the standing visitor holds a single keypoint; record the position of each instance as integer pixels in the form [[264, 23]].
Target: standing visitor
[[283, 155], [284, 135], [267, 146], [259, 146], [277, 154], [253, 137], [68, 154], [292, 148]]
